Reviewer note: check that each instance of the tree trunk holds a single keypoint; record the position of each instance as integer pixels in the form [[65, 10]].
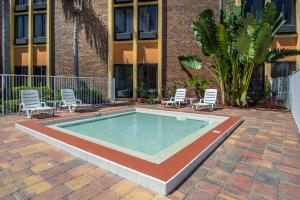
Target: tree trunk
[[5, 37], [75, 45]]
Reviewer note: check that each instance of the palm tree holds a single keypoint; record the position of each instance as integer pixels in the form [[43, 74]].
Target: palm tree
[[236, 45], [5, 37]]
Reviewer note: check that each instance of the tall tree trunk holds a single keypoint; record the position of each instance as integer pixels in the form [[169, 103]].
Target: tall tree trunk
[[5, 37], [75, 45]]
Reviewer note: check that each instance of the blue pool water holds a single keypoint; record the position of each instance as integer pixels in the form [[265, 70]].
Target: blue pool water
[[141, 132]]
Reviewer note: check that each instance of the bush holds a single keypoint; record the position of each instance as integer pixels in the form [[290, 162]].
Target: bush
[[11, 105], [153, 100], [44, 91], [89, 95]]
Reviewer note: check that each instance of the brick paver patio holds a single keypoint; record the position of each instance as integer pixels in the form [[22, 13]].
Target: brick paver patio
[[260, 160]]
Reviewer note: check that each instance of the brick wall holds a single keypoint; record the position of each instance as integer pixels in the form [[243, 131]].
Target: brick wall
[[178, 38], [92, 38]]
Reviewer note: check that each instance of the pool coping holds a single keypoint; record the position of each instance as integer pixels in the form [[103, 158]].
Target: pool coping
[[162, 178]]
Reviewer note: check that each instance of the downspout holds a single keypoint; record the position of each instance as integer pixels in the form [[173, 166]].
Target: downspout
[[5, 37], [221, 7]]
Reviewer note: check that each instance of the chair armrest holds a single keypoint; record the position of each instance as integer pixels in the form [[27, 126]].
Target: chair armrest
[[78, 101], [43, 104], [171, 98], [63, 103]]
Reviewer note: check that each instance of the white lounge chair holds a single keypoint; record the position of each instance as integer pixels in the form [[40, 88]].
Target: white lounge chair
[[178, 99], [30, 102], [209, 100], [69, 100]]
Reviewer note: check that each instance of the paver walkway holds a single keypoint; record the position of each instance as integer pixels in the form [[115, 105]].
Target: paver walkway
[[260, 160]]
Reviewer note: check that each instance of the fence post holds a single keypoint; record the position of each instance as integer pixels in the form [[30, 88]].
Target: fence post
[[2, 92], [112, 96]]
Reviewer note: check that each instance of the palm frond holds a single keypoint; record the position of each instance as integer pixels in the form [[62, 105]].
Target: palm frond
[[223, 40], [279, 22], [278, 54], [242, 42], [268, 13], [262, 42], [205, 32], [191, 62]]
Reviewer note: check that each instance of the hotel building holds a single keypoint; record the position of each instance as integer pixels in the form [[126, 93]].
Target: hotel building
[[129, 40]]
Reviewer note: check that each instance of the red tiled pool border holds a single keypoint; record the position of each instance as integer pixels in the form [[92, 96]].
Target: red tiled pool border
[[163, 171]]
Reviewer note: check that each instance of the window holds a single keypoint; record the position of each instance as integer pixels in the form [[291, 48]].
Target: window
[[123, 1], [40, 1], [40, 4], [21, 5], [21, 2], [258, 79], [40, 25], [123, 78], [255, 7], [40, 28], [21, 80], [282, 69], [147, 73], [21, 29], [147, 22], [21, 70], [123, 23], [39, 73], [288, 9]]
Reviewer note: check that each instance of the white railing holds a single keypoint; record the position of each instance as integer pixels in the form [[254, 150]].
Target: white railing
[[295, 97], [280, 91], [90, 90]]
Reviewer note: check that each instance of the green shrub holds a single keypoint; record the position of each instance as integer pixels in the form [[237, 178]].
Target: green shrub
[[153, 100], [89, 95], [44, 91], [11, 105]]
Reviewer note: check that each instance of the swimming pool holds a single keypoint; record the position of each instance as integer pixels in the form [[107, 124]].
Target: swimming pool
[[153, 136], [154, 148]]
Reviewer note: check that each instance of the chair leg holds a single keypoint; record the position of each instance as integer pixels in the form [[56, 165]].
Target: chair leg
[[72, 109], [212, 108], [29, 114]]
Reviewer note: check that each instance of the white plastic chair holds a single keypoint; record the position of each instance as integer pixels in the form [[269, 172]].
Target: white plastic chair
[[178, 99], [69, 100], [30, 102], [209, 100]]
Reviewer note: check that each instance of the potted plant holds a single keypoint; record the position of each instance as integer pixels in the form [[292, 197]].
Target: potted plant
[[141, 91]]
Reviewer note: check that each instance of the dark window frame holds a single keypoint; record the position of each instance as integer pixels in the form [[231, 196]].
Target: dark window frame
[[144, 75], [40, 32], [21, 72], [252, 8], [290, 25], [122, 1], [146, 31], [21, 2], [284, 72], [124, 34], [21, 30], [20, 69], [40, 1], [127, 88], [39, 75]]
